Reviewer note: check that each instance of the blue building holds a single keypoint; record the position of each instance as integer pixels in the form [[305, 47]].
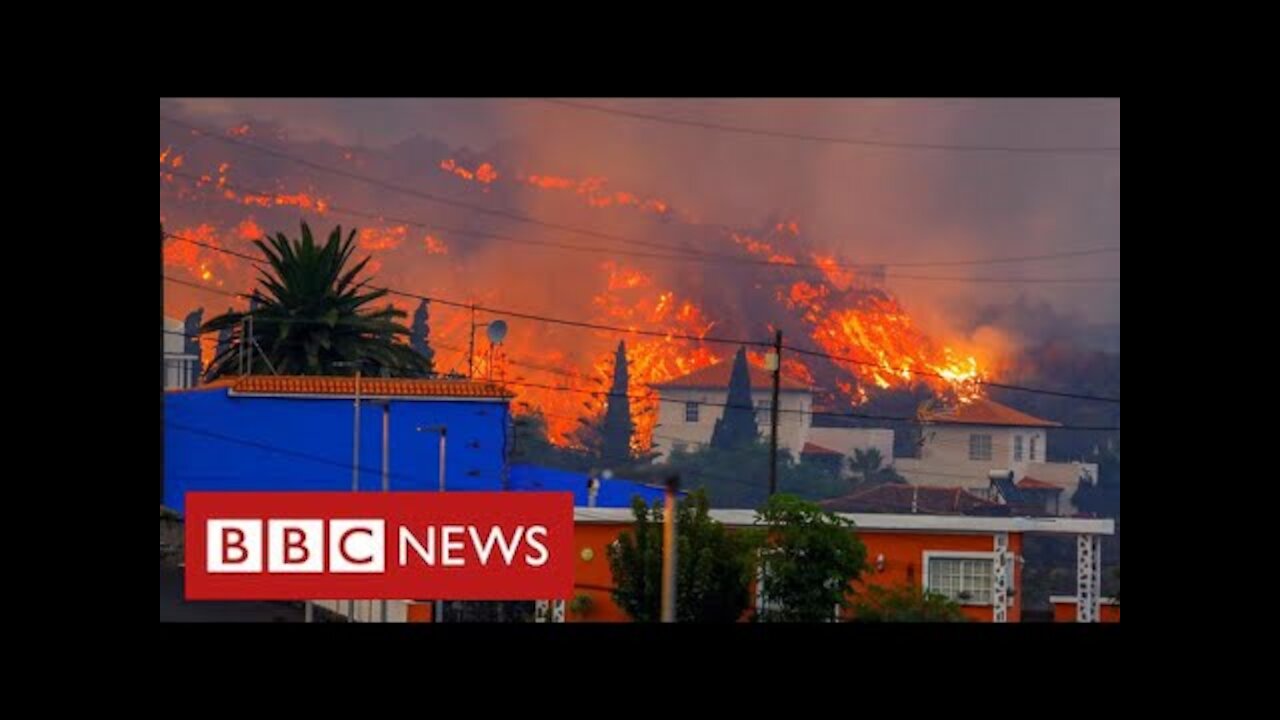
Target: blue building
[[296, 433]]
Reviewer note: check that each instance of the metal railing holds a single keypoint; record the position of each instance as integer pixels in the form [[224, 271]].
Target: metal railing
[[181, 370]]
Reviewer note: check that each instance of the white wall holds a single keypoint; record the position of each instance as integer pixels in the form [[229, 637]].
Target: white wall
[[944, 461], [846, 440], [793, 420], [179, 368]]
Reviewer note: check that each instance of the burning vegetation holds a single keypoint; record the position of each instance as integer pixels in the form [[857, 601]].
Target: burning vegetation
[[821, 302]]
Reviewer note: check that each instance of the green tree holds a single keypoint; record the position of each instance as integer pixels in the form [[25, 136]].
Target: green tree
[[809, 557], [420, 336], [905, 603], [737, 427], [618, 426], [310, 314], [713, 565], [866, 465], [868, 469]]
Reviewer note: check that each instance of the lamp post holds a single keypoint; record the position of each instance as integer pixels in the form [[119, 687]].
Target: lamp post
[[355, 454], [444, 431]]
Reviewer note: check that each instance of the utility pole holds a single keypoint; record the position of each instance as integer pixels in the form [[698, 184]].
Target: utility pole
[[355, 456], [776, 362], [438, 607], [471, 346], [669, 551], [386, 466]]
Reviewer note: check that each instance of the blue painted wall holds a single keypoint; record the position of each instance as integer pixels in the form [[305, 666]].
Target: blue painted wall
[[613, 492], [217, 442]]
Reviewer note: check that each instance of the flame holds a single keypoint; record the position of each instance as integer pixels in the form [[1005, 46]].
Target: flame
[[628, 299], [483, 174], [837, 276], [375, 239], [249, 230], [881, 346], [435, 245], [592, 188], [239, 130], [197, 261], [840, 309], [759, 247]]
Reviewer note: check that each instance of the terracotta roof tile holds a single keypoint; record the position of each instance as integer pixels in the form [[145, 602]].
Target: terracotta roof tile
[[717, 376], [985, 412], [812, 449], [369, 386], [1030, 483]]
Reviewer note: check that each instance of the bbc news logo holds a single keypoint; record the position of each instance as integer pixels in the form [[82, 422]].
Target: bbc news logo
[[371, 546]]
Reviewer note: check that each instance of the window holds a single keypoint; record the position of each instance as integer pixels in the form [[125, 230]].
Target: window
[[1017, 448], [1034, 438], [979, 447], [679, 447], [967, 580], [762, 412], [691, 412]]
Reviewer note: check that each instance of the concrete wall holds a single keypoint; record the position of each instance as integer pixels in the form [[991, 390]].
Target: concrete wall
[[793, 421], [903, 553]]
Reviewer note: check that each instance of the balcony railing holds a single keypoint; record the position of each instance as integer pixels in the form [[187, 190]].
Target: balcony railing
[[181, 370]]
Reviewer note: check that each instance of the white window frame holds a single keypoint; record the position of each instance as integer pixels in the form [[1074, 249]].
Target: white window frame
[[961, 555], [990, 446], [1017, 448], [697, 416], [1034, 438]]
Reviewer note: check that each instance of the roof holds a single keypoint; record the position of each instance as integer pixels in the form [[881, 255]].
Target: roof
[[812, 449], [1030, 483], [888, 498], [891, 522], [983, 411], [717, 376], [345, 386]]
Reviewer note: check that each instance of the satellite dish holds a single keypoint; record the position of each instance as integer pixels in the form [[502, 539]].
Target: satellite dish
[[497, 331]]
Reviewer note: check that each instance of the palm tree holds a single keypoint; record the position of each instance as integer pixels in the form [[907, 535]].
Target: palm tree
[[866, 463], [308, 316]]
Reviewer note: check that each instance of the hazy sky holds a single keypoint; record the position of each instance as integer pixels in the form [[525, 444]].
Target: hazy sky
[[872, 204]]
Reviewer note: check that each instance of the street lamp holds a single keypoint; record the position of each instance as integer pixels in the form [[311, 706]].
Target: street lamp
[[355, 454], [355, 436], [444, 431]]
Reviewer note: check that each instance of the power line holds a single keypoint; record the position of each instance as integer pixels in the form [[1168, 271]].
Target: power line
[[501, 311], [568, 228], [649, 333], [201, 287], [927, 373], [1086, 150], [814, 413], [703, 256]]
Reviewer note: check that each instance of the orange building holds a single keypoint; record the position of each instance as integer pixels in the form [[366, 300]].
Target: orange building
[[1064, 609], [959, 556]]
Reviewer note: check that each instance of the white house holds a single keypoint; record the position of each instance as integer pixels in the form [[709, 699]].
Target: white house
[[689, 406], [963, 445], [180, 368]]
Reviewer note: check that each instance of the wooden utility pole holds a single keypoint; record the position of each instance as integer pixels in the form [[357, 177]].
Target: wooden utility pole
[[773, 414]]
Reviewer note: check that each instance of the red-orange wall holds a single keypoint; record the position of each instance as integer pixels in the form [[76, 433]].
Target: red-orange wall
[[903, 551], [1066, 612]]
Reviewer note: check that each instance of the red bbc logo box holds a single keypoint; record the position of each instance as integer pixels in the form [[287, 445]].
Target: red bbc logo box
[[379, 546]]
